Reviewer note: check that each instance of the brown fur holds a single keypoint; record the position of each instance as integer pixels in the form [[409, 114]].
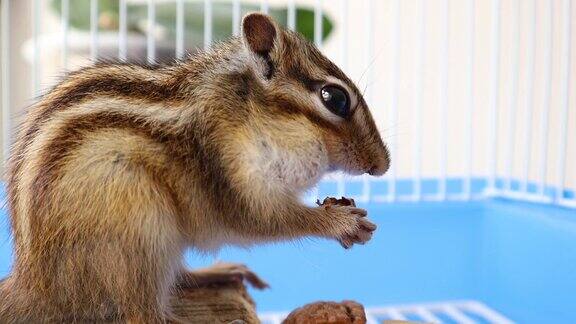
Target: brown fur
[[120, 168]]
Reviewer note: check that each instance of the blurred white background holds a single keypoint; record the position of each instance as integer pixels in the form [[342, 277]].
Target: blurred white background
[[431, 62]]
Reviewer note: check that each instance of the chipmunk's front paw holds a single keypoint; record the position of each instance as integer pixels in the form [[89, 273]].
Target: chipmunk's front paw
[[359, 231], [353, 227]]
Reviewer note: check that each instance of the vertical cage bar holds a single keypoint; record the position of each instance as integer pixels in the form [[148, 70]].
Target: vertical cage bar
[[494, 92], [122, 31], [264, 6], [291, 15], [370, 50], [150, 35], [344, 43], [179, 29], [366, 187], [318, 23], [340, 184], [545, 110], [65, 16], [418, 84], [528, 99], [395, 88], [564, 96], [513, 98], [207, 24], [6, 116], [443, 98], [471, 102], [36, 48], [93, 30], [236, 17], [315, 195]]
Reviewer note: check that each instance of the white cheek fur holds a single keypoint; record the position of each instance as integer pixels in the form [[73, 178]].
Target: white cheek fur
[[279, 167], [295, 169]]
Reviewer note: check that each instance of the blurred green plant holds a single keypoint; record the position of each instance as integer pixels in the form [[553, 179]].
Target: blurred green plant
[[108, 17]]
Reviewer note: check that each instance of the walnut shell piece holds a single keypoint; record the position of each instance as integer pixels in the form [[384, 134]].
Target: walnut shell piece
[[331, 201]]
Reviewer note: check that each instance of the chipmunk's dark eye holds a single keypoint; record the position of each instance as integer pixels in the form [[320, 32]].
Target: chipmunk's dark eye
[[336, 100]]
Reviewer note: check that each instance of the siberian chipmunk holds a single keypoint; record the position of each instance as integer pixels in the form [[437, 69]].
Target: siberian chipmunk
[[120, 168]]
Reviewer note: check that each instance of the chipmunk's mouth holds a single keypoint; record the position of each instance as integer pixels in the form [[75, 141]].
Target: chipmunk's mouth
[[378, 170], [374, 167], [346, 169]]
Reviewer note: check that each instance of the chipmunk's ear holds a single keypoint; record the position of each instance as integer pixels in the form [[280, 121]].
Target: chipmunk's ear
[[259, 33]]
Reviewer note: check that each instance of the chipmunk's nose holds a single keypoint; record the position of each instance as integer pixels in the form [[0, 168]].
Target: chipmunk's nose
[[380, 168]]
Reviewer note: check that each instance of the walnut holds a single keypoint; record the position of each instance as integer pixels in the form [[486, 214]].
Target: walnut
[[346, 312]]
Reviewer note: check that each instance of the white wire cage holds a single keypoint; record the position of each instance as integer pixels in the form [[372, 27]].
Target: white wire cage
[[460, 311], [474, 98]]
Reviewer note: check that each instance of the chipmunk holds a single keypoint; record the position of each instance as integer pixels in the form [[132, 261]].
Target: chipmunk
[[120, 168]]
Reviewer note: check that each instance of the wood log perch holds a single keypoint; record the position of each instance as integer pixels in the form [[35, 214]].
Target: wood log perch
[[216, 304], [231, 302]]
